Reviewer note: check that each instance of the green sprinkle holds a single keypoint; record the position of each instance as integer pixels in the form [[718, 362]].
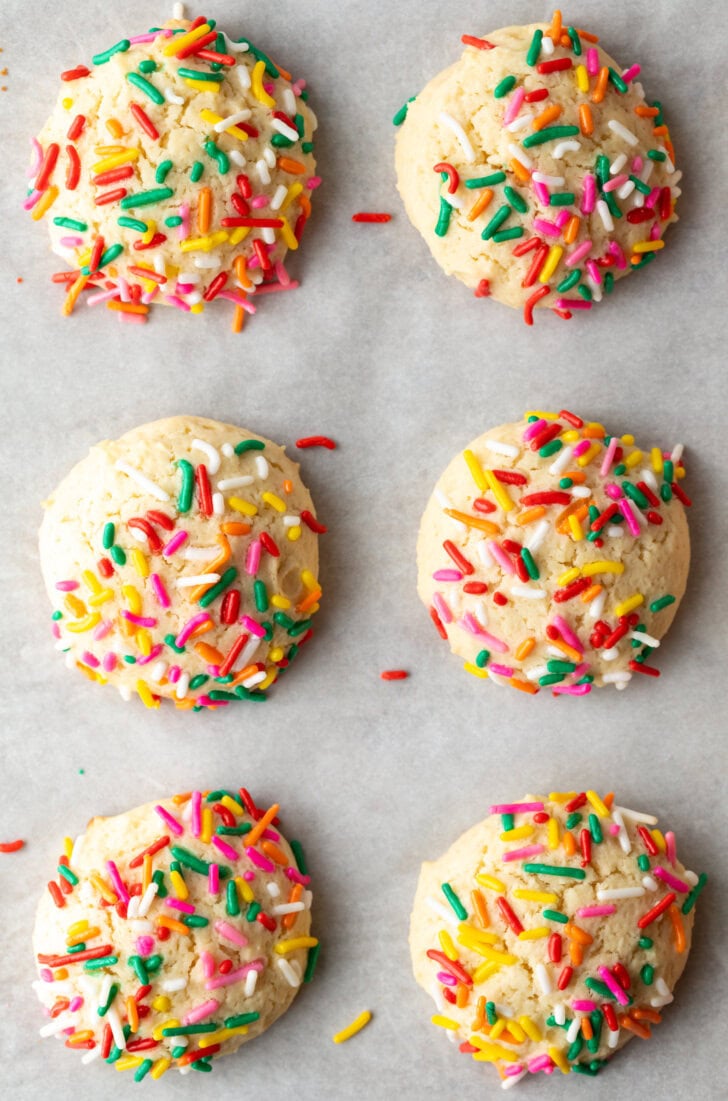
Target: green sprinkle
[[132, 223], [111, 253], [57, 615], [656, 155], [199, 680], [307, 146], [313, 955], [490, 1013], [196, 171], [617, 81], [200, 74], [553, 1023], [485, 181], [260, 56], [599, 988], [580, 1068], [595, 829], [154, 963], [573, 820], [693, 896], [620, 470], [147, 66], [241, 1019], [529, 563], [668, 470], [195, 921], [158, 878], [70, 223], [244, 693], [556, 915], [551, 678], [232, 905], [443, 219], [508, 234], [666, 492], [575, 40], [76, 948], [535, 48], [482, 659], [297, 850], [645, 942], [174, 221], [219, 694], [562, 198], [517, 201], [253, 911], [571, 279], [144, 86], [549, 869], [261, 596], [212, 594], [550, 133], [557, 666], [177, 1051], [647, 974], [184, 501], [170, 640], [575, 1048], [501, 216], [640, 184], [139, 968], [146, 198], [97, 965], [234, 831], [163, 171], [299, 628], [402, 113], [119, 48], [608, 282], [504, 86], [143, 1069], [216, 796], [643, 862], [662, 602], [129, 659], [118, 555], [281, 141], [202, 1065], [283, 620], [508, 821], [217, 154], [191, 1030], [249, 445], [456, 904], [113, 991], [67, 874], [107, 538], [189, 860], [596, 1020], [585, 292], [550, 448]]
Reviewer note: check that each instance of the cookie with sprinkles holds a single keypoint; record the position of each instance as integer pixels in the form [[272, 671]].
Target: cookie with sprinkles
[[182, 563], [174, 933], [536, 170], [554, 555], [177, 168], [553, 932]]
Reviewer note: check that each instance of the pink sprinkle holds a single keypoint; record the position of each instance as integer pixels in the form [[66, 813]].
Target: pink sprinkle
[[515, 808], [581, 670], [205, 701], [571, 689], [235, 976], [589, 194], [260, 861], [298, 87], [143, 38], [512, 1068], [89, 659], [637, 163], [504, 560], [178, 904], [296, 877], [592, 61], [37, 156], [175, 826], [442, 609], [250, 625], [103, 629], [656, 232], [615, 250], [66, 586], [227, 850], [562, 217], [213, 879], [534, 428], [613, 491], [248, 876], [109, 662], [139, 620], [614, 829], [446, 979], [145, 945], [593, 268], [608, 457], [75, 1004], [270, 835], [573, 304], [208, 964], [614, 183], [671, 850], [252, 558], [196, 818], [102, 296], [123, 288], [607, 977], [269, 87], [32, 200], [159, 590], [175, 300], [148, 297], [46, 974], [541, 1062], [672, 881], [283, 276], [550, 229], [578, 254], [522, 854], [173, 674], [652, 197], [71, 242], [500, 670], [238, 299], [56, 630], [514, 105], [631, 73], [269, 288], [447, 575], [542, 192], [566, 633], [259, 201], [201, 617], [229, 932], [313, 183], [152, 655], [581, 447], [117, 881], [493, 642], [625, 507], [175, 543], [205, 1009], [583, 1005], [596, 911]]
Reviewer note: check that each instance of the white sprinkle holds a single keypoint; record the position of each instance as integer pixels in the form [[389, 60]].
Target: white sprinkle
[[520, 122], [140, 536], [691, 878], [612, 1037], [616, 678], [132, 908], [178, 11], [562, 460], [269, 157], [441, 911], [235, 483], [291, 521], [236, 157], [527, 592], [614, 531], [565, 147], [289, 102], [125, 692], [662, 988], [268, 235], [213, 455], [289, 972], [657, 1003], [141, 927], [197, 579], [172, 98], [171, 986], [543, 978], [283, 128], [248, 650], [257, 678], [550, 181], [65, 1020], [287, 908], [573, 1030], [649, 883], [233, 120], [649, 477], [481, 614], [460, 134], [645, 639], [148, 898], [437, 997], [228, 450], [182, 685], [513, 1080], [637, 816], [278, 197], [580, 491], [157, 671], [626, 189], [596, 288], [243, 74], [251, 980], [218, 504], [94, 1053], [604, 214], [560, 1014], [261, 466], [611, 654], [117, 1031], [607, 894], [483, 552], [104, 991], [617, 164], [647, 170], [196, 553], [141, 480], [518, 154], [456, 202], [537, 536], [212, 261], [536, 672], [622, 836], [273, 889], [547, 45], [677, 453], [617, 128], [159, 265], [506, 449], [263, 172]]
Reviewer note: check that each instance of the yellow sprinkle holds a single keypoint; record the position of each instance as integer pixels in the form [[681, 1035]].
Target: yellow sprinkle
[[536, 933], [602, 566], [484, 971], [534, 896], [239, 234], [499, 491], [285, 946], [552, 262], [104, 890], [246, 507], [475, 469], [648, 246], [145, 695], [515, 1030], [272, 676], [202, 85], [256, 84], [85, 624], [67, 103], [199, 307], [160, 1067], [490, 1053], [78, 926], [469, 937], [211, 1038], [144, 641], [600, 430], [587, 457], [627, 439], [562, 796], [498, 1028], [75, 606], [161, 1003], [178, 885], [659, 840], [159, 1029], [598, 805], [570, 436], [529, 1028], [179, 42], [542, 414], [274, 501], [91, 581], [293, 192], [115, 160], [133, 599], [560, 1059], [288, 235], [582, 78], [139, 563], [309, 580], [656, 456], [128, 1062], [569, 575], [68, 846], [149, 232], [364, 1018], [495, 956], [475, 670], [445, 1022], [447, 945], [204, 244], [231, 804], [295, 533], [491, 883], [633, 458], [245, 889], [517, 833], [280, 601], [552, 833], [211, 117], [577, 532], [100, 598], [44, 203], [206, 826], [276, 654], [629, 604]]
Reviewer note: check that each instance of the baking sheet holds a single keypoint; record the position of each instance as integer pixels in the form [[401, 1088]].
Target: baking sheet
[[402, 366]]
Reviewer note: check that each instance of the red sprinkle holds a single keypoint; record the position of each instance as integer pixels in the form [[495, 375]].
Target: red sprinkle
[[73, 169], [680, 494], [565, 978], [511, 477], [76, 128], [575, 803], [11, 846], [438, 623], [266, 921], [656, 910], [477, 43], [316, 441], [75, 74], [531, 302], [610, 1017], [311, 522], [648, 670], [483, 289], [480, 504], [526, 246], [198, 45], [394, 674], [554, 946], [476, 588], [548, 497], [451, 965], [537, 263], [144, 121], [204, 490], [216, 286], [508, 916], [230, 606], [536, 95], [555, 65], [110, 196], [585, 841], [572, 590], [500, 599], [123, 172], [269, 544], [460, 561], [371, 216]]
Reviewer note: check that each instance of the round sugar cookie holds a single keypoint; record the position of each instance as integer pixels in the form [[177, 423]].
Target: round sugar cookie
[[536, 170], [176, 168], [182, 562], [552, 554], [553, 932], [174, 933]]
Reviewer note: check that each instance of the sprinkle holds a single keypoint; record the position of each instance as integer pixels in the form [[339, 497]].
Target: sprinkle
[[460, 134], [351, 1030], [364, 216]]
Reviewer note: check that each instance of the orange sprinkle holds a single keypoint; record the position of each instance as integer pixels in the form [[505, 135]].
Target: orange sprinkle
[[78, 1037], [678, 929], [473, 521], [565, 41], [235, 527], [202, 629], [572, 229], [587, 36], [570, 652], [662, 129], [173, 924], [577, 476], [261, 825], [72, 296], [573, 932], [593, 431], [645, 1013], [576, 953], [461, 996], [530, 515], [132, 1013], [520, 171], [587, 1029], [238, 319], [289, 920], [241, 272], [128, 307], [308, 601], [569, 843], [480, 204], [204, 210], [547, 116], [479, 905], [554, 31], [305, 205], [647, 112], [287, 164], [589, 594], [146, 871], [479, 1019], [274, 852], [182, 797], [248, 671], [282, 71], [600, 88], [525, 648], [671, 152], [523, 685], [222, 558], [643, 1031], [578, 508], [208, 653], [114, 127], [586, 122], [608, 800]]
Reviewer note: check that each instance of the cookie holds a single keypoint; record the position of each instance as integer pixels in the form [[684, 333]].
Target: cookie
[[553, 932], [536, 170], [182, 562], [174, 933], [176, 168], [552, 554]]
